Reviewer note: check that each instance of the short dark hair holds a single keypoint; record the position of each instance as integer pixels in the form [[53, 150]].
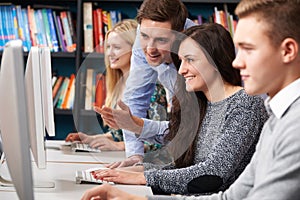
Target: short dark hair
[[281, 17], [173, 11]]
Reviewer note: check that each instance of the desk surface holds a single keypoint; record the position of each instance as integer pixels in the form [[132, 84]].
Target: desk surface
[[63, 176]]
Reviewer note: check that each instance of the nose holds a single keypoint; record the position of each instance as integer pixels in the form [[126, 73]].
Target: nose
[[109, 51], [182, 70], [150, 45], [238, 61]]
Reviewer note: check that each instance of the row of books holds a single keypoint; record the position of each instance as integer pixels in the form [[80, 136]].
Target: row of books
[[222, 17], [95, 89], [96, 22], [37, 27], [63, 91]]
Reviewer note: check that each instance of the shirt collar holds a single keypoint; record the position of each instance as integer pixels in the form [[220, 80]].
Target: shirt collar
[[283, 99]]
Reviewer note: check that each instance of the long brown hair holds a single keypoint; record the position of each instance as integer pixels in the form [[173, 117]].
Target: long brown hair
[[218, 46], [127, 30]]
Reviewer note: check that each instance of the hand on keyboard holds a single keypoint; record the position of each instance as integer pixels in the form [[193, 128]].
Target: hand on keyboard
[[85, 176], [81, 147]]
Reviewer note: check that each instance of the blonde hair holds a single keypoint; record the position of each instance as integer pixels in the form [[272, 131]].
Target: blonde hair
[[127, 30], [281, 17]]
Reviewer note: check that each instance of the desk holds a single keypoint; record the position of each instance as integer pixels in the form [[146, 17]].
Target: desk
[[63, 175]]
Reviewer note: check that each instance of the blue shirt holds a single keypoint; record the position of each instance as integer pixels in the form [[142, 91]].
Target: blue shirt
[[140, 86]]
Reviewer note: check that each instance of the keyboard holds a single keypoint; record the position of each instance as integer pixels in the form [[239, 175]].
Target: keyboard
[[80, 147], [86, 177]]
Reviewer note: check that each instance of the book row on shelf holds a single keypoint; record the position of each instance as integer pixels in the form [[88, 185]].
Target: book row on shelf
[[222, 17], [63, 90], [37, 27], [55, 28], [96, 22]]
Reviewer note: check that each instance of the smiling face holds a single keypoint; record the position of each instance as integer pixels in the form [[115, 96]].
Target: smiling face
[[258, 60], [156, 41], [195, 67], [118, 52]]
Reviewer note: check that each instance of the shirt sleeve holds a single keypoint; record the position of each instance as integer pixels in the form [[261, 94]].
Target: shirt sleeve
[[154, 131], [140, 85]]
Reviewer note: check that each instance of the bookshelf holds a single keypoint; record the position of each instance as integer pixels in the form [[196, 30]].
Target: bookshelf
[[66, 63]]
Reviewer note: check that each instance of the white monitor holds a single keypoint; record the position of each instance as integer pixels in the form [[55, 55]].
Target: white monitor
[[13, 119], [39, 101], [46, 81]]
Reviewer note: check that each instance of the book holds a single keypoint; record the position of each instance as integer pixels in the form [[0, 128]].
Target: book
[[2, 39], [71, 96], [64, 88], [53, 35], [71, 25], [47, 29], [56, 86], [100, 31], [88, 27], [67, 34], [41, 33], [32, 26], [57, 94], [28, 43], [100, 93], [95, 30], [67, 95], [89, 89], [60, 31]]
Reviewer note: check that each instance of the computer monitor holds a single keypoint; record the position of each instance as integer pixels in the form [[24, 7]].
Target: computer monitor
[[13, 119], [38, 87], [46, 81], [39, 101]]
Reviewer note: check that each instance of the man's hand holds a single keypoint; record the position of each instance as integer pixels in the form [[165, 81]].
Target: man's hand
[[106, 144], [84, 138], [127, 162], [108, 192], [120, 118]]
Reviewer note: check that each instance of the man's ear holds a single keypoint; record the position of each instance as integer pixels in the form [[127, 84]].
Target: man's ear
[[290, 50]]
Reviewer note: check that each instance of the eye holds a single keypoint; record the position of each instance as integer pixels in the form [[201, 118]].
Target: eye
[[144, 36], [162, 40], [189, 60]]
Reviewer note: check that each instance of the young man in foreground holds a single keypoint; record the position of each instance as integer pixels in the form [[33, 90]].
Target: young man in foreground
[[267, 38]]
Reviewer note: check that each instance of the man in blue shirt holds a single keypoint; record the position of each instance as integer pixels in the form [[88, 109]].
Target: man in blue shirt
[[151, 61]]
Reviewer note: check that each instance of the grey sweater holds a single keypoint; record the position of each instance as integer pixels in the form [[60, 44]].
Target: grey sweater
[[274, 171], [225, 145]]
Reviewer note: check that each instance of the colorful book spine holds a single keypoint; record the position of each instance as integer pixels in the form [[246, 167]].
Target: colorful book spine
[[26, 29], [47, 32], [61, 34], [32, 26], [53, 36], [66, 28], [100, 31], [88, 27], [2, 40], [100, 93], [67, 95], [63, 92]]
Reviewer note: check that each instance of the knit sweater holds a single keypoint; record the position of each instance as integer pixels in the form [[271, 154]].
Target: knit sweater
[[225, 145]]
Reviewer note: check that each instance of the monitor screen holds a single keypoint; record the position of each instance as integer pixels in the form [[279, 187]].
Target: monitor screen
[[13, 119]]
